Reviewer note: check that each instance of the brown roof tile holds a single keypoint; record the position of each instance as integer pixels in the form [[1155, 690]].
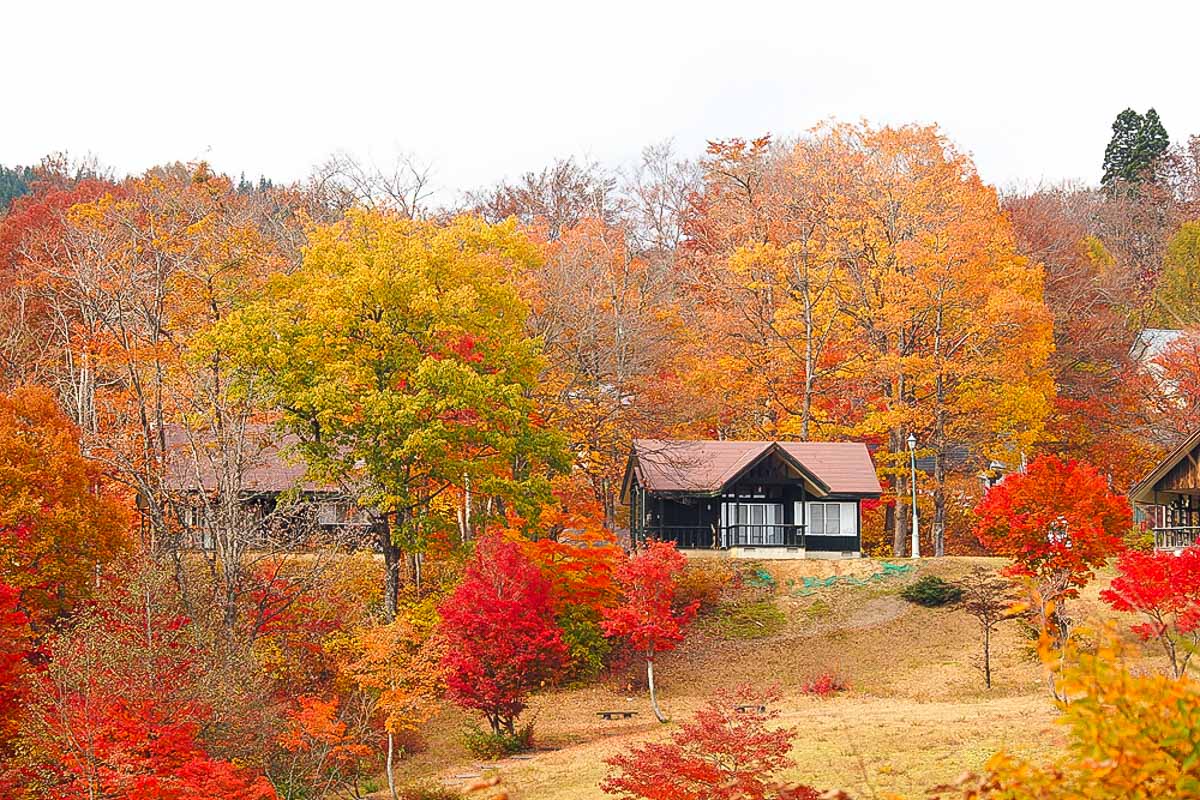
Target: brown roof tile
[[706, 466], [194, 461]]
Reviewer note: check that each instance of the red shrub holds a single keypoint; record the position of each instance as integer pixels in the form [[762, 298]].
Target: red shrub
[[720, 754], [1165, 590], [825, 685]]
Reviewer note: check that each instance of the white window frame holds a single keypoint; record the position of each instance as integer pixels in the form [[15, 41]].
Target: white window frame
[[847, 517], [770, 522]]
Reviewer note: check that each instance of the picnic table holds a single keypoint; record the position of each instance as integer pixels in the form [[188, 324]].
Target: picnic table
[[611, 715]]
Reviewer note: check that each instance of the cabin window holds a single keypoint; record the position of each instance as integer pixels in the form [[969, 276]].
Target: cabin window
[[832, 519], [329, 513], [752, 523]]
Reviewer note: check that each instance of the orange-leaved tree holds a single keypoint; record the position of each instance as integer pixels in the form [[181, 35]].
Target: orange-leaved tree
[[649, 616], [579, 556], [399, 665], [60, 521]]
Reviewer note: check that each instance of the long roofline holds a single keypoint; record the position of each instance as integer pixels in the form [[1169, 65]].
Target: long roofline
[[818, 484], [1143, 490]]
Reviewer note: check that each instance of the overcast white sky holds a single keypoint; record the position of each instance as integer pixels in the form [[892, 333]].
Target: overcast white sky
[[488, 90]]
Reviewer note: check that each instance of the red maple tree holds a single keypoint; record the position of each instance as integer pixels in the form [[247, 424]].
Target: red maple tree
[[728, 751], [14, 643], [647, 616], [1165, 589], [121, 708], [1058, 521], [501, 639]]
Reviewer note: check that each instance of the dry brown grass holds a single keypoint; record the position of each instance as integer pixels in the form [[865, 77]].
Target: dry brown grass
[[917, 713]]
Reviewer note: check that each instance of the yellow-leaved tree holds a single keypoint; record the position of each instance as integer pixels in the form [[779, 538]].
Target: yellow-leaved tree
[[397, 355]]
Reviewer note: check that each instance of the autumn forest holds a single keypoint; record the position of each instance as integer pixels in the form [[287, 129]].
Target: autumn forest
[[301, 481]]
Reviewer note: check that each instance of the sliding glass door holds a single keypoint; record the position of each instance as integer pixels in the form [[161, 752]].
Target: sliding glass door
[[749, 524]]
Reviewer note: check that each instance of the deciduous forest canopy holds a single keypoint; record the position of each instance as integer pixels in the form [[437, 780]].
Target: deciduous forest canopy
[[449, 391]]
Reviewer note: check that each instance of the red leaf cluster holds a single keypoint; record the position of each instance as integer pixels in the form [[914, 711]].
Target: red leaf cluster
[[14, 643], [502, 640], [722, 753], [825, 685], [647, 615], [121, 711], [1057, 519], [138, 748], [1164, 589]]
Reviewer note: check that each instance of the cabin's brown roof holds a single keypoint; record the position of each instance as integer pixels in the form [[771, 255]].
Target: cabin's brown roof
[[194, 461], [707, 466]]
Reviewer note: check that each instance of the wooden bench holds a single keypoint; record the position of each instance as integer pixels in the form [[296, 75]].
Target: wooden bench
[[611, 715], [744, 709]]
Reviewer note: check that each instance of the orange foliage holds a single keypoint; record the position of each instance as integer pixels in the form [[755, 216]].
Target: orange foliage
[[59, 521]]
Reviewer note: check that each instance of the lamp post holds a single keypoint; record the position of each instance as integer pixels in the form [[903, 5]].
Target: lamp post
[[916, 523]]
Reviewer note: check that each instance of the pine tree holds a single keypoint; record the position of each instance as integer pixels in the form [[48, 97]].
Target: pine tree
[[1136, 145]]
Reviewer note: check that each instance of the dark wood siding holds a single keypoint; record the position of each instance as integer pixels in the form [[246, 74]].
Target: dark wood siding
[[1183, 478]]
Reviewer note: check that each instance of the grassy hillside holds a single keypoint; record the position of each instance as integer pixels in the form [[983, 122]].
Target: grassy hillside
[[917, 712]]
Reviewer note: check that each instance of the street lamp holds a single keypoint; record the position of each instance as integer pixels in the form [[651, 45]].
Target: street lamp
[[916, 523]]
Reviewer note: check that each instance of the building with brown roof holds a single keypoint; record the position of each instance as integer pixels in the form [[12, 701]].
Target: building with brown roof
[[1167, 500], [750, 499], [279, 504]]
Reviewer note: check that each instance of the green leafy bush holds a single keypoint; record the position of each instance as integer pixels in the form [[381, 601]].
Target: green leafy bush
[[818, 609], [492, 746], [1140, 539], [931, 591], [586, 643]]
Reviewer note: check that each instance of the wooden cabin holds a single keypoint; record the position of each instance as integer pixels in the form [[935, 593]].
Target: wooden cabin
[[281, 507], [1168, 499], [750, 499]]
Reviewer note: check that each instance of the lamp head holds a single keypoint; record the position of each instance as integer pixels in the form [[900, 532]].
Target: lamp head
[[912, 442]]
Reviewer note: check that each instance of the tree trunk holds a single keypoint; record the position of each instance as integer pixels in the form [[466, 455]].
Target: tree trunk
[[987, 656], [653, 695], [939, 441], [391, 776], [939, 501], [900, 517], [391, 570]]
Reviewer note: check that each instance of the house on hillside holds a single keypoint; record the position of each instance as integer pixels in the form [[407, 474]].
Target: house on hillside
[[1168, 499], [750, 499], [280, 507]]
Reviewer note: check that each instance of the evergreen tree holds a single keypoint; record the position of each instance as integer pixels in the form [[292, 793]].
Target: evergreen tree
[[14, 182], [1137, 143]]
